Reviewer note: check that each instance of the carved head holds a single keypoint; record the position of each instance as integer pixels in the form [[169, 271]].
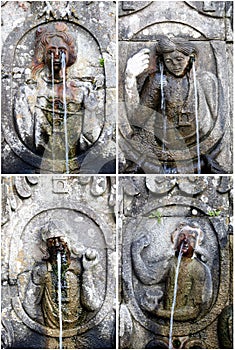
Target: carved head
[[188, 236], [55, 241], [51, 41], [177, 54]]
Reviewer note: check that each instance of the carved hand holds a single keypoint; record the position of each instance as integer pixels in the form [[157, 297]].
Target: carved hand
[[138, 63], [90, 259]]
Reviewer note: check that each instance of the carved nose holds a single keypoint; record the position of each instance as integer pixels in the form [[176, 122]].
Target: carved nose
[[57, 244], [57, 53]]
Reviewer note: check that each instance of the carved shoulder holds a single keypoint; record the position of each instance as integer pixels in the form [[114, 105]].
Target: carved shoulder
[[199, 270], [207, 79], [75, 266], [39, 273]]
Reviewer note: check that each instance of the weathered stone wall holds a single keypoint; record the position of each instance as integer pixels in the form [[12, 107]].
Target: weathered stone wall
[[208, 27], [82, 211], [154, 212], [161, 217], [92, 24]]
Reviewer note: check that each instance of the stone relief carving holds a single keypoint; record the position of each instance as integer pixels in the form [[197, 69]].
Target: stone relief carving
[[208, 8], [171, 92], [79, 271], [57, 11], [162, 220], [66, 220], [22, 186], [42, 124], [58, 73], [127, 7], [172, 72], [194, 280]]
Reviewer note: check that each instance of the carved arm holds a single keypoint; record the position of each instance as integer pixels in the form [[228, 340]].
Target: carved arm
[[181, 314], [91, 124], [90, 296], [147, 275], [136, 65]]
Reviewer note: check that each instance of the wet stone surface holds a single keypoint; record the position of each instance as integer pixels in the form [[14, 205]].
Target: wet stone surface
[[161, 218], [56, 119], [58, 239], [175, 88]]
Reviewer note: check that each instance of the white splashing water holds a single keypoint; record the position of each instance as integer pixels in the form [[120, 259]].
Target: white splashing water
[[163, 109], [163, 104], [60, 299], [174, 297], [53, 110], [196, 119], [63, 63]]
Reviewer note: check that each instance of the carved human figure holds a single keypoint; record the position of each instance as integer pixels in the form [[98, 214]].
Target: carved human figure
[[79, 289], [195, 289], [41, 104], [169, 90]]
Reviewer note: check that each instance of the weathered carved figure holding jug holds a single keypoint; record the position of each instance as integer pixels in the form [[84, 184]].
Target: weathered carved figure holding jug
[[53, 111], [195, 288]]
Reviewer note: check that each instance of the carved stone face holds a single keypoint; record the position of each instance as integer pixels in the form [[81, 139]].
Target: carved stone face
[[55, 244], [177, 63], [56, 46], [187, 238]]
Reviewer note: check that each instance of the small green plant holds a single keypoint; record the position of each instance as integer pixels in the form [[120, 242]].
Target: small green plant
[[101, 62], [156, 215], [214, 213]]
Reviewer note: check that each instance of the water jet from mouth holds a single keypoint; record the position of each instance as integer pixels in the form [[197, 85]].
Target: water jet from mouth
[[174, 297], [196, 118], [63, 63], [60, 299]]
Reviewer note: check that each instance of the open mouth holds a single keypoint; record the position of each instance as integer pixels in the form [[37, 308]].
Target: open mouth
[[184, 246]]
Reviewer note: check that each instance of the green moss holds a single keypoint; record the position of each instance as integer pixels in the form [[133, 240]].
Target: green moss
[[101, 61], [214, 213], [156, 215]]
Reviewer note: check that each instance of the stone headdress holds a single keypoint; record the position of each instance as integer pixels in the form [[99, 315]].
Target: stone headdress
[[43, 35], [191, 227], [167, 45], [50, 230]]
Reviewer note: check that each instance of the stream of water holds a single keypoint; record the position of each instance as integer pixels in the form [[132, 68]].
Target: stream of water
[[174, 297], [163, 104], [196, 119], [163, 110], [53, 110], [60, 299], [63, 63]]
